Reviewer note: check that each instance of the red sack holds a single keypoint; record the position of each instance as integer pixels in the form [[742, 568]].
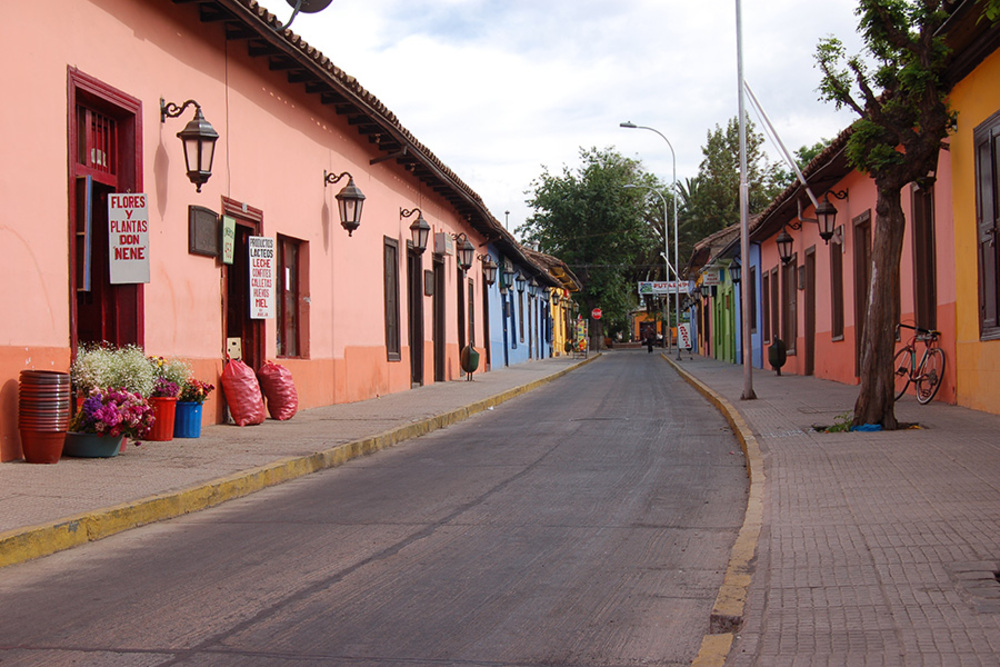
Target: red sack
[[279, 389], [239, 385]]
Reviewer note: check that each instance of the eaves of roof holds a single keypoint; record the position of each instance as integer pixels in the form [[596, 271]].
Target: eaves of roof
[[557, 270], [708, 248], [822, 173], [246, 21]]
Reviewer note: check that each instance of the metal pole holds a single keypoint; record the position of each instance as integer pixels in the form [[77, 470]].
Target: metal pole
[[677, 259], [748, 392], [668, 267]]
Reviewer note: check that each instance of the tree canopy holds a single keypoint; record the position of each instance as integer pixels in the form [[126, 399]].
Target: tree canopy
[[588, 218], [711, 200]]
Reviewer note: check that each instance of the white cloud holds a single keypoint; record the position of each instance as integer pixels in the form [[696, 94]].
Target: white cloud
[[498, 88]]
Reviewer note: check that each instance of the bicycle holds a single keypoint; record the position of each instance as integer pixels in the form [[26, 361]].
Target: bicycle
[[926, 375]]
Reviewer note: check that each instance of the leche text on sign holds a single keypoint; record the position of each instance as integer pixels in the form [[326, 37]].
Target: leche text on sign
[[262, 263], [128, 238]]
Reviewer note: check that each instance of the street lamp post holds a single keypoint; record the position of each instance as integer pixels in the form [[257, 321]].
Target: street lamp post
[[673, 186], [745, 287], [668, 267]]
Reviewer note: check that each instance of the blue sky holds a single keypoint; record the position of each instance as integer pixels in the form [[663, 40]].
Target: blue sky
[[499, 89]]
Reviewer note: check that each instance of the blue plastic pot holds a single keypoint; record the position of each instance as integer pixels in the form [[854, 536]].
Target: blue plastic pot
[[187, 420]]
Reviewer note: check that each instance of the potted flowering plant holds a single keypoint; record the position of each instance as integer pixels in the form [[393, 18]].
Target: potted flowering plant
[[189, 408], [101, 366], [170, 374], [106, 416]]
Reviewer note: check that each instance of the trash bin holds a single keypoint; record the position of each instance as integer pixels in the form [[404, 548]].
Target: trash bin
[[777, 354]]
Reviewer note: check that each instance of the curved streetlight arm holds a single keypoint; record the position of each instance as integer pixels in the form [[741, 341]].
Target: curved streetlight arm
[[677, 259]]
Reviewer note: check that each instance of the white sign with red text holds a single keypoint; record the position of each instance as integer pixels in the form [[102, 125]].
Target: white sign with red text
[[262, 274], [684, 336], [128, 238]]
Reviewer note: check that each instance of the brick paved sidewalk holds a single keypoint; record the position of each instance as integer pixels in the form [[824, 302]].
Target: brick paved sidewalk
[[875, 548]]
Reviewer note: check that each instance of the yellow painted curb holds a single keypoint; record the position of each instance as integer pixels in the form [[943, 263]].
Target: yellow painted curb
[[714, 649], [23, 544], [727, 612]]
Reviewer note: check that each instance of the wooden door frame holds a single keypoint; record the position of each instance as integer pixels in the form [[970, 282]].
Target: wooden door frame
[[82, 88], [415, 313], [253, 219], [809, 366]]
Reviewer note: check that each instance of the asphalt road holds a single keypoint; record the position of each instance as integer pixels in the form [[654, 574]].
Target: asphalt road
[[586, 523]]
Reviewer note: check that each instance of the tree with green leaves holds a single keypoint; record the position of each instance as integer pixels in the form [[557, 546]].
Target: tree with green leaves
[[900, 98], [711, 200], [588, 219]]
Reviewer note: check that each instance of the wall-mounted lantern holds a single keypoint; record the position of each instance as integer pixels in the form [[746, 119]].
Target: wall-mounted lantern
[[350, 201], [521, 280], [735, 270], [489, 269], [785, 243], [826, 216], [506, 277], [419, 230], [466, 251], [198, 137]]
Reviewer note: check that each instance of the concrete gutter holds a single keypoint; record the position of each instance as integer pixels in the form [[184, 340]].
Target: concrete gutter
[[730, 603], [23, 544]]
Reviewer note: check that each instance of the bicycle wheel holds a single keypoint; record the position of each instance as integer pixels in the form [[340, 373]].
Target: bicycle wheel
[[901, 371], [930, 374]]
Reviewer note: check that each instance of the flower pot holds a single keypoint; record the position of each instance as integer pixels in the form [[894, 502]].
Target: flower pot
[[43, 408], [187, 420], [42, 446], [92, 445], [164, 410]]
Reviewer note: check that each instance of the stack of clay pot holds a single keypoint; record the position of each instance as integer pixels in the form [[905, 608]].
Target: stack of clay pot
[[43, 413]]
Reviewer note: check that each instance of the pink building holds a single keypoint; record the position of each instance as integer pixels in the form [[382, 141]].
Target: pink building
[[352, 315], [816, 299]]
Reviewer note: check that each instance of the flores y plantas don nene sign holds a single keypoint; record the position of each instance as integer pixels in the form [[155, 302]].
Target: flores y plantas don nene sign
[[261, 249], [128, 238]]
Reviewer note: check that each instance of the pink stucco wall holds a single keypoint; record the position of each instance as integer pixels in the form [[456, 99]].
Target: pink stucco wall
[[275, 143], [835, 359]]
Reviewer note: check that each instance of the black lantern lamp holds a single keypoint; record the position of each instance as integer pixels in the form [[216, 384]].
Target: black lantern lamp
[[506, 277], [532, 288], [350, 201], [521, 280], [198, 137], [466, 251], [420, 230], [785, 243], [826, 216], [734, 270], [489, 269]]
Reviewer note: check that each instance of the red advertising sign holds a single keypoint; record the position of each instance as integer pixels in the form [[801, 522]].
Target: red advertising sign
[[596, 313]]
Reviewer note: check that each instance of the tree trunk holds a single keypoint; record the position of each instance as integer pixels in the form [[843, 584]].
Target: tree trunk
[[876, 397]]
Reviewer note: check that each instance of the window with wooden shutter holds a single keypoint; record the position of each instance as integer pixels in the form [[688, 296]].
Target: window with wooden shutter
[[765, 302], [987, 141], [837, 285], [789, 305], [391, 292], [293, 298], [924, 262]]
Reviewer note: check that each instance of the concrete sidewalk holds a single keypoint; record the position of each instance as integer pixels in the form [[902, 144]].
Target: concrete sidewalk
[[47, 508], [874, 548]]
